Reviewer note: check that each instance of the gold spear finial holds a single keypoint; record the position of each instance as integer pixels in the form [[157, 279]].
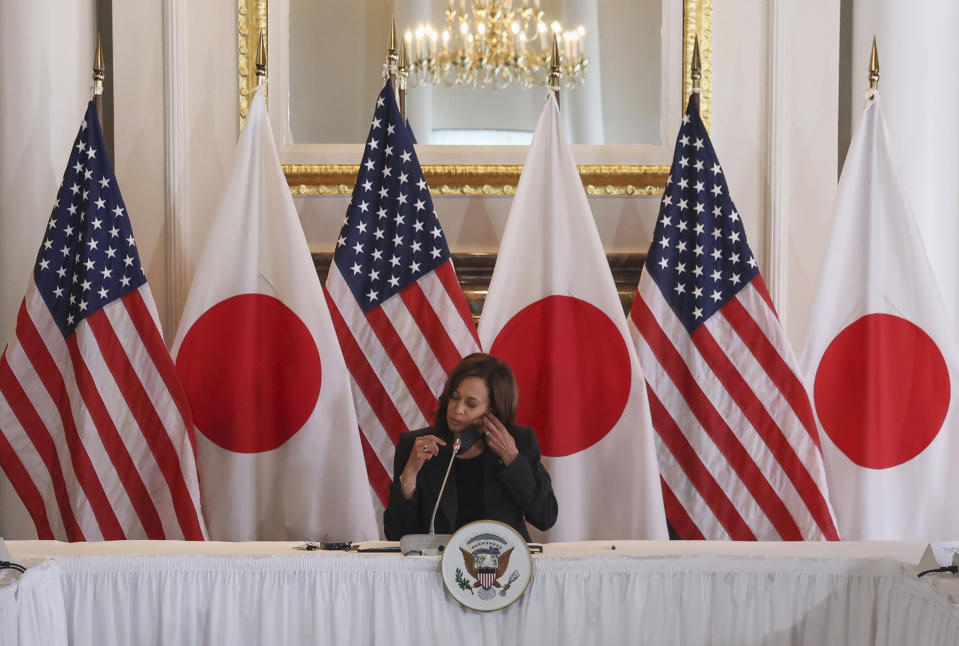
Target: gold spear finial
[[99, 69], [404, 72], [404, 60], [261, 58], [874, 67], [393, 35], [552, 78], [392, 56], [696, 67]]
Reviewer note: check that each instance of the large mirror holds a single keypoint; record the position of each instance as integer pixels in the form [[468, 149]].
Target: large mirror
[[326, 66]]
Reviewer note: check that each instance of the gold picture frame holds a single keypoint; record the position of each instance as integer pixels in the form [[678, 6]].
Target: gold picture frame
[[472, 180]]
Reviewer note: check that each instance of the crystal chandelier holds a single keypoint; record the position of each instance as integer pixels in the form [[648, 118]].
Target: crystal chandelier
[[492, 43]]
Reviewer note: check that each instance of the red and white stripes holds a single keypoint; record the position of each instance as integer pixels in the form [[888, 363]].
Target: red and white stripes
[[95, 430], [737, 444], [398, 355]]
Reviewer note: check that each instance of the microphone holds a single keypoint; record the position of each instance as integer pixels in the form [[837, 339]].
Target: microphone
[[436, 507], [431, 544]]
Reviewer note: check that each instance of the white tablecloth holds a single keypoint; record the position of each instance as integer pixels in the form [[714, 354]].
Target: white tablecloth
[[650, 593]]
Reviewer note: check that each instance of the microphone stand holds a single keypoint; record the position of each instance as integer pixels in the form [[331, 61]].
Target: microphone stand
[[431, 544]]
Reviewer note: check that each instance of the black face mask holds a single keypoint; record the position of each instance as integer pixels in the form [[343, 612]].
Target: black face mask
[[470, 436]]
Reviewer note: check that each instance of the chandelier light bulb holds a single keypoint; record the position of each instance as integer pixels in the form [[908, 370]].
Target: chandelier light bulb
[[498, 43]]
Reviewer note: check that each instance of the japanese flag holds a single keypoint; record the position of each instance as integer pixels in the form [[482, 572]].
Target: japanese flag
[[554, 315], [278, 443], [881, 359]]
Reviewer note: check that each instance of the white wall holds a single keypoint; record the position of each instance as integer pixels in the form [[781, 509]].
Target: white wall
[[46, 80], [919, 93], [739, 114], [138, 158], [813, 92], [144, 47], [212, 120]]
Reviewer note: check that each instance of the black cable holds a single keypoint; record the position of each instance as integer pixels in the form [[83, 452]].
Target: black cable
[[947, 568], [308, 546], [7, 565]]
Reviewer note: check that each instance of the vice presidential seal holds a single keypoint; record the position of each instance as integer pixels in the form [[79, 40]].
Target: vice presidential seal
[[486, 565]]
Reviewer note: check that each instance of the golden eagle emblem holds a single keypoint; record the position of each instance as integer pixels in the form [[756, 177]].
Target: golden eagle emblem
[[486, 565], [487, 568]]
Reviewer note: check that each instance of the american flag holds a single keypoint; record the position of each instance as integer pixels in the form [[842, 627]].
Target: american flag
[[399, 313], [738, 447], [96, 435]]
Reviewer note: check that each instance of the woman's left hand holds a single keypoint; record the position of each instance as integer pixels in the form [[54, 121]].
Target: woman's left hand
[[499, 439]]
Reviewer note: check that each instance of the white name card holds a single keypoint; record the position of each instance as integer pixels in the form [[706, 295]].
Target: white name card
[[939, 555]]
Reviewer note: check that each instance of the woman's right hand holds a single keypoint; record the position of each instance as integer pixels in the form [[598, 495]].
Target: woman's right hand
[[425, 448]]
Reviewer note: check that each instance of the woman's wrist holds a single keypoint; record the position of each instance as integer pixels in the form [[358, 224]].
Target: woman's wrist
[[407, 484]]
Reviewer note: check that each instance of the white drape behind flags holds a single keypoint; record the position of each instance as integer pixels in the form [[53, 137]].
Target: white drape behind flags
[[738, 447], [554, 315], [95, 430], [881, 359], [279, 450]]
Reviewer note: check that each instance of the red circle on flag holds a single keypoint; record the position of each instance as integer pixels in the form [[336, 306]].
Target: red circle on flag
[[573, 371], [251, 371], [882, 391]]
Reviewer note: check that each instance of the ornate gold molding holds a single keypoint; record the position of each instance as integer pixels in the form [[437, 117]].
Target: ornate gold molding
[[330, 179], [698, 21], [337, 179], [250, 21]]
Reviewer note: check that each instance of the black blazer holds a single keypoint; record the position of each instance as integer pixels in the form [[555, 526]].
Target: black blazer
[[513, 494]]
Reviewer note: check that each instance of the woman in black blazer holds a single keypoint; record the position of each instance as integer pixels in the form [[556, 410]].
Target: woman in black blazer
[[498, 474]]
